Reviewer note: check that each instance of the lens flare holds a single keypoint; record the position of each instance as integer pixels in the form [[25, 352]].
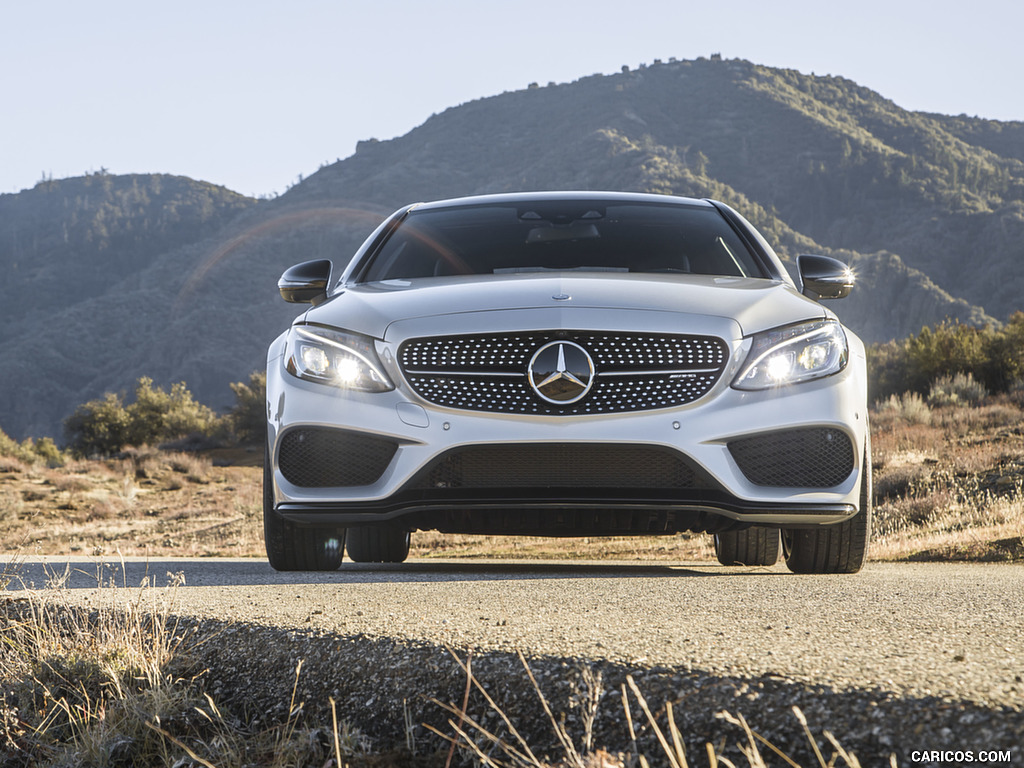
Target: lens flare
[[347, 370]]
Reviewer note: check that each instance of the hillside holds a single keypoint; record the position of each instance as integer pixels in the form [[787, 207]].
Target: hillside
[[118, 277], [64, 241], [817, 157]]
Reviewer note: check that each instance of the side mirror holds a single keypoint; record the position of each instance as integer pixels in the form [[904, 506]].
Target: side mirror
[[822, 277], [306, 283]]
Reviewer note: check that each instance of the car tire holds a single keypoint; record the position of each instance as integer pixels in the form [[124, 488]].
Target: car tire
[[751, 546], [291, 547], [839, 548], [373, 544]]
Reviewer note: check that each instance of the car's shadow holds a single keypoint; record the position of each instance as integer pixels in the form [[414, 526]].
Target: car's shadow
[[85, 573]]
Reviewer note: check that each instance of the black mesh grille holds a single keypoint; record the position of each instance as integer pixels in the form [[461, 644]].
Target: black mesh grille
[[313, 457], [613, 351], [795, 458], [559, 466], [633, 372]]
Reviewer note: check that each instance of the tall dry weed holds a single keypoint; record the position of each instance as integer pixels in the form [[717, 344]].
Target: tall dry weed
[[485, 747], [909, 407], [195, 468], [82, 683], [114, 685], [957, 390]]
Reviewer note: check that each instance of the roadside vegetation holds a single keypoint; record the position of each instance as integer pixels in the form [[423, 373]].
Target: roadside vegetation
[[992, 357], [118, 686], [155, 416], [949, 478]]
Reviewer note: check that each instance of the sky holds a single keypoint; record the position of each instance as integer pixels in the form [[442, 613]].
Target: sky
[[254, 95]]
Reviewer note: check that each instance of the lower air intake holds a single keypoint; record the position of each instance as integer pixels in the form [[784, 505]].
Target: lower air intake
[[315, 457], [559, 465], [818, 457]]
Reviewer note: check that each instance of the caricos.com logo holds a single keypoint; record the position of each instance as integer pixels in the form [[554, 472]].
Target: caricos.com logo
[[961, 756]]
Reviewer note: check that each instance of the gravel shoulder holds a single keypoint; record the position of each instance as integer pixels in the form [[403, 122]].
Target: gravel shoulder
[[896, 658]]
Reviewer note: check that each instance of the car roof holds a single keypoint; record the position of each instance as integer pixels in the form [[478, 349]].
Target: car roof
[[509, 198]]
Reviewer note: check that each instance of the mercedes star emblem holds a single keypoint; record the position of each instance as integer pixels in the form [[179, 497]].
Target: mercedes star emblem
[[561, 372]]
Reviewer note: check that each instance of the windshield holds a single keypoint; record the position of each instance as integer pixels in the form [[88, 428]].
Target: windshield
[[561, 236]]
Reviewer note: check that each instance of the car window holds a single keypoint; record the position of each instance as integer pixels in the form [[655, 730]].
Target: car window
[[560, 236]]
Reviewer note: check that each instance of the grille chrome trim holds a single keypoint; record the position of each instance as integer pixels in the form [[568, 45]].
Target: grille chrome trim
[[656, 372], [634, 371]]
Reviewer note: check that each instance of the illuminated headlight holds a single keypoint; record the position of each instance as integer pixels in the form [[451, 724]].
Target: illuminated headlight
[[792, 354], [344, 360]]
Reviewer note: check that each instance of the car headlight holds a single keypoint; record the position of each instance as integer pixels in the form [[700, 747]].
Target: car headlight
[[792, 354], [344, 360]]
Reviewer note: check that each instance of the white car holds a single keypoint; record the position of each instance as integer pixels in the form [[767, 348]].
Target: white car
[[567, 364]]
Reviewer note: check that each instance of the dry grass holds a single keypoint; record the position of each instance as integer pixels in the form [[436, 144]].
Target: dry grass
[[114, 686], [76, 682], [952, 488], [486, 748], [146, 502]]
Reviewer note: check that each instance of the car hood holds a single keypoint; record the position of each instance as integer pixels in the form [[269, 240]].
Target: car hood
[[754, 304]]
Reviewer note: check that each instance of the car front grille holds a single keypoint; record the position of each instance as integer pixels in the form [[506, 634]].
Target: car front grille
[[817, 457], [315, 457], [632, 371], [559, 465]]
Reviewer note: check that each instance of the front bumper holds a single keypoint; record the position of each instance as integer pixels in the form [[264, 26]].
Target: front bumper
[[702, 436]]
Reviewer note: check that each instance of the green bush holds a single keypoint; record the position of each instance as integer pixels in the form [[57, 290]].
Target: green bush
[[157, 416], [248, 419], [105, 426], [994, 358], [11, 449], [48, 451], [31, 451], [98, 426]]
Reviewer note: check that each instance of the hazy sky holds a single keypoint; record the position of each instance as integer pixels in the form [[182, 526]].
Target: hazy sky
[[252, 94]]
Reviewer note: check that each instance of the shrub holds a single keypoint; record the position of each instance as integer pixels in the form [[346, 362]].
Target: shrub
[[48, 451], [248, 419], [960, 389], [31, 451], [994, 357], [909, 407], [1016, 391], [157, 416], [105, 426], [10, 448], [1006, 356], [98, 426]]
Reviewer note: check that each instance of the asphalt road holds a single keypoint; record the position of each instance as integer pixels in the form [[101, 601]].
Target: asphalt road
[[943, 630]]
